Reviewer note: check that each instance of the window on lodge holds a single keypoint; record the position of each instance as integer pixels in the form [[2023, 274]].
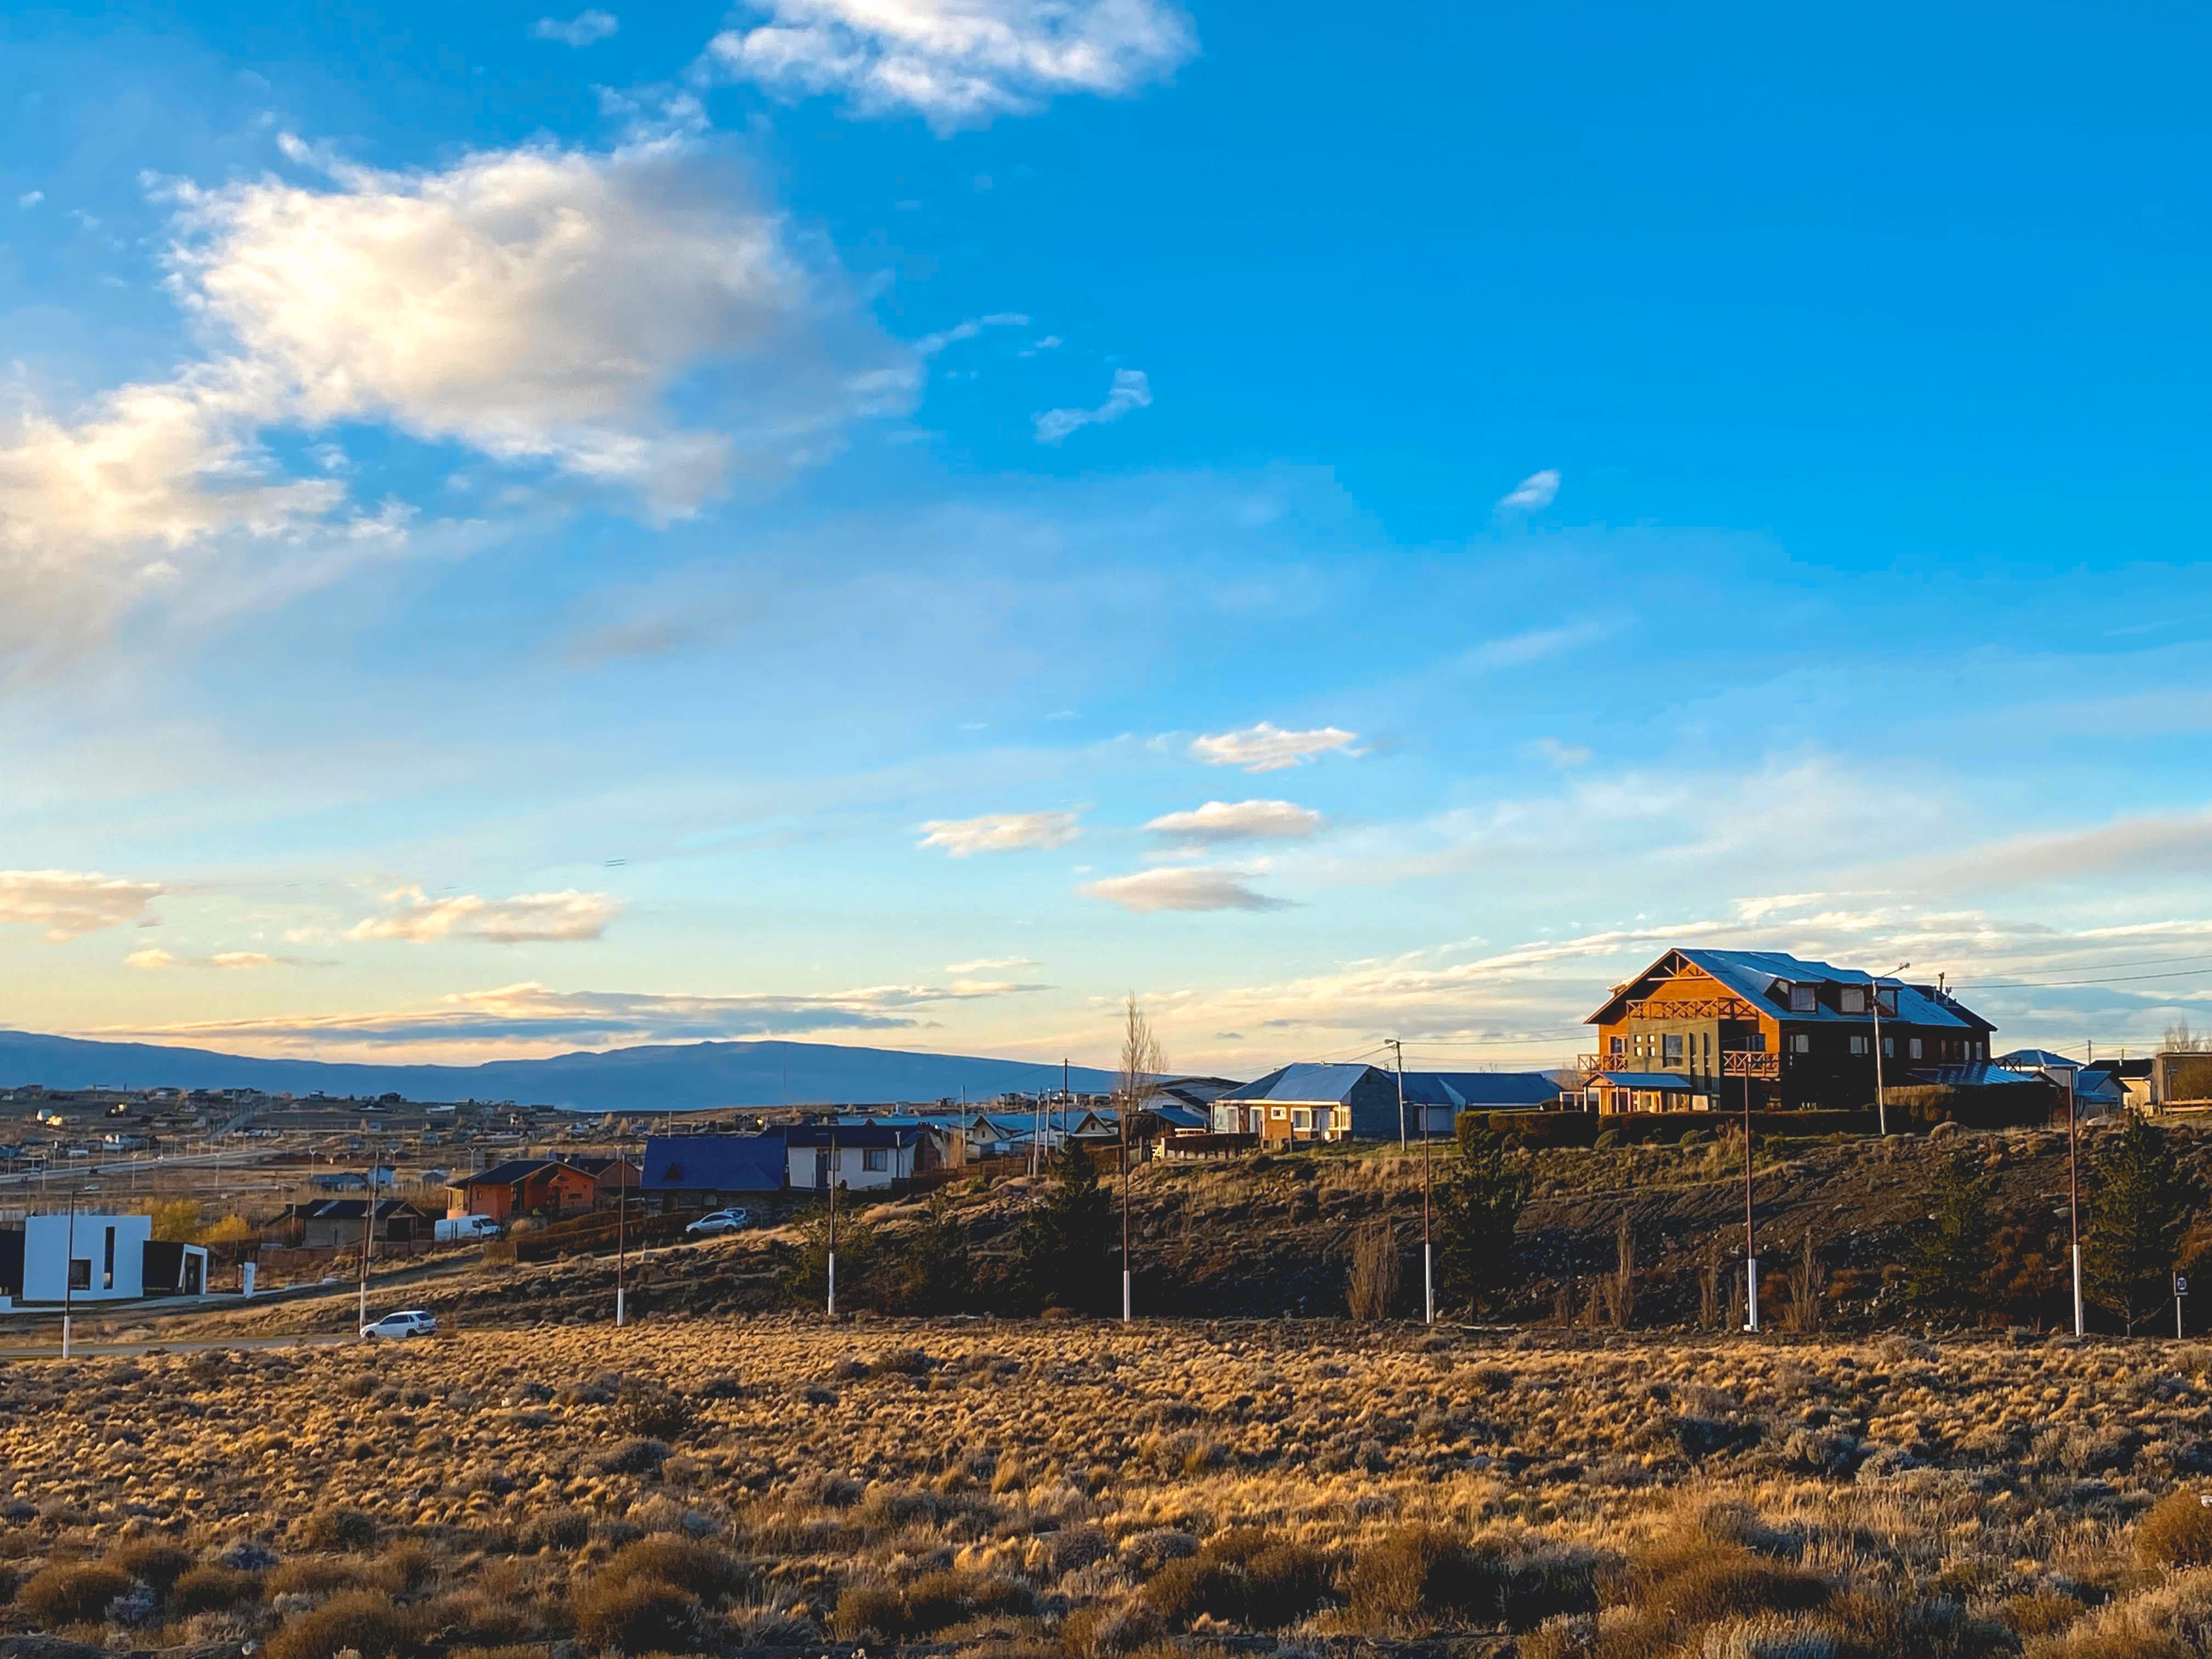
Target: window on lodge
[[1858, 1045], [1912, 1048], [1673, 1046], [1801, 1042], [1804, 998], [1853, 1000]]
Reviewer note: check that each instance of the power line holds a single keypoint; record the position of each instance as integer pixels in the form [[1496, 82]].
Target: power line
[[2064, 984]]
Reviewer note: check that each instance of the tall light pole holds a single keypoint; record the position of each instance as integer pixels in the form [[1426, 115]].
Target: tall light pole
[[2074, 1196], [1750, 1237], [1428, 1255], [1880, 1095], [833, 1218], [69, 1272], [368, 1240], [621, 1227]]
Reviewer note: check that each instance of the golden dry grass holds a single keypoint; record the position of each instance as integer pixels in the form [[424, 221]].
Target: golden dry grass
[[1010, 1488]]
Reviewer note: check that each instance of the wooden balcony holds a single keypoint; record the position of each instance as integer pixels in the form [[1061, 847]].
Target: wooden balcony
[[1751, 1062], [1725, 1008]]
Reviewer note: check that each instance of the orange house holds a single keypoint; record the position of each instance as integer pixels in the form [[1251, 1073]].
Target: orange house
[[1705, 1031], [523, 1186]]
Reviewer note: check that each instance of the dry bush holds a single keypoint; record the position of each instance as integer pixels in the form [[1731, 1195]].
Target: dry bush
[[649, 1412], [554, 1529], [369, 1622], [337, 1530], [634, 1615], [699, 1569], [72, 1593], [928, 1604], [1419, 1576], [1102, 1630], [212, 1589], [1371, 1289], [481, 1618], [1246, 1575], [2177, 1531], [153, 1561]]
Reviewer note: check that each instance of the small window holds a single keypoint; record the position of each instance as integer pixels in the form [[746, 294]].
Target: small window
[[1858, 1045], [1913, 1048], [1801, 1042], [107, 1274], [1804, 998], [1889, 1048], [1278, 1113], [1886, 999], [1301, 1117], [876, 1157], [1853, 1000], [1674, 1043], [1619, 1045], [80, 1272]]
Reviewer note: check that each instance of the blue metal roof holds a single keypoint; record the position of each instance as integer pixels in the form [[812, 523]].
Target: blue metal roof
[[2030, 1059], [1752, 974], [1981, 1074], [1670, 1080], [1498, 1088], [1305, 1082], [715, 1163]]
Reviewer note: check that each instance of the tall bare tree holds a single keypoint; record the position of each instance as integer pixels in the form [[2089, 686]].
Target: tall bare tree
[[2180, 1040], [1142, 1062]]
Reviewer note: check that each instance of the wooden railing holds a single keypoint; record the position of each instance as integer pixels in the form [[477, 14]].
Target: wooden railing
[[1750, 1062]]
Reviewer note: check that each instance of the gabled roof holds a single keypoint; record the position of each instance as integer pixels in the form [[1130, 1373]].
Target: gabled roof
[[1757, 976], [349, 1209], [852, 1135], [2033, 1060], [514, 1171], [715, 1163], [1498, 1088], [1305, 1082]]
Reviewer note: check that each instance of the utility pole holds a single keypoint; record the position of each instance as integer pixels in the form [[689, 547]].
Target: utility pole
[[2074, 1195], [1428, 1255], [833, 1218], [368, 1239], [1881, 1095], [1128, 1109], [621, 1227], [1750, 1238]]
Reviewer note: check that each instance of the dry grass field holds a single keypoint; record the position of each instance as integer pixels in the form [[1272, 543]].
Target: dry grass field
[[985, 1489]]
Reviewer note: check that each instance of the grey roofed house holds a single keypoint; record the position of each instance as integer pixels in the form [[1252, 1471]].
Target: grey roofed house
[[709, 1169]]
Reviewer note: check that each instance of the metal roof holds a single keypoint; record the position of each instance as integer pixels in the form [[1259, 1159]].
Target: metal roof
[[2030, 1060], [1669, 1080], [715, 1163], [1500, 1088], [1752, 976], [1981, 1074], [1305, 1082]]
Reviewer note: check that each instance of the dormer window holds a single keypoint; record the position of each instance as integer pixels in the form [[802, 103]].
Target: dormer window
[[1853, 1000], [1886, 997], [1804, 999]]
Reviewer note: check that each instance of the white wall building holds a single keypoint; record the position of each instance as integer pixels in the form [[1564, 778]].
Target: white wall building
[[98, 1258]]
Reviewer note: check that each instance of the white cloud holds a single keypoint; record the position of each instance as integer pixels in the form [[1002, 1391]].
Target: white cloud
[[67, 904], [1130, 389], [986, 964], [931, 344], [541, 304], [1243, 820], [585, 28], [156, 960], [529, 918], [1533, 494], [1559, 753], [30, 199], [1267, 747], [1000, 832], [1189, 887], [956, 62]]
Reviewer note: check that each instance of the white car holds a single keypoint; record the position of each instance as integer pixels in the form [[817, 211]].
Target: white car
[[413, 1322], [717, 1222]]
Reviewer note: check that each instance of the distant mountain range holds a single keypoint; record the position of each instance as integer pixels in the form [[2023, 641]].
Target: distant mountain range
[[680, 1076]]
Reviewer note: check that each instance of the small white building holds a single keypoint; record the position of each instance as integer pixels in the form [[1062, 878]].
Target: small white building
[[857, 1156], [94, 1258]]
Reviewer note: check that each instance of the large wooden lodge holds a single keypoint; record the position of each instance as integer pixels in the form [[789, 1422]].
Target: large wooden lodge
[[1709, 1030]]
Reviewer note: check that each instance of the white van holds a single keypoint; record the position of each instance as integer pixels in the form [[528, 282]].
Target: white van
[[459, 1228]]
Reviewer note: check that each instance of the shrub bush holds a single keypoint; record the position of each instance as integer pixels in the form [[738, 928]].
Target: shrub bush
[[2178, 1531], [650, 1411], [633, 1615], [155, 1560], [72, 1593], [556, 1529], [866, 1610], [697, 1568], [212, 1589], [337, 1530], [366, 1621], [1418, 1575]]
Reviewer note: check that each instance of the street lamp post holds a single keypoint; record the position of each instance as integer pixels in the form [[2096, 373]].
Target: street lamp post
[[1880, 1095], [2074, 1195], [69, 1273]]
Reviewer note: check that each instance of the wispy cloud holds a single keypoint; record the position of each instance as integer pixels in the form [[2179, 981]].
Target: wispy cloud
[[929, 345], [1559, 753], [1001, 832], [1192, 887], [987, 964], [1130, 391], [567, 917], [1533, 494], [585, 28], [956, 62], [156, 960], [66, 904], [1243, 820], [531, 1013], [1267, 747]]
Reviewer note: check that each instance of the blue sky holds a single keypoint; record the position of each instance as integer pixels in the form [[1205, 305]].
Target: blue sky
[[906, 522]]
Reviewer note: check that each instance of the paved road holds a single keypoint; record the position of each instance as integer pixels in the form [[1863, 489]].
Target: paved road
[[103, 1350], [61, 1175]]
